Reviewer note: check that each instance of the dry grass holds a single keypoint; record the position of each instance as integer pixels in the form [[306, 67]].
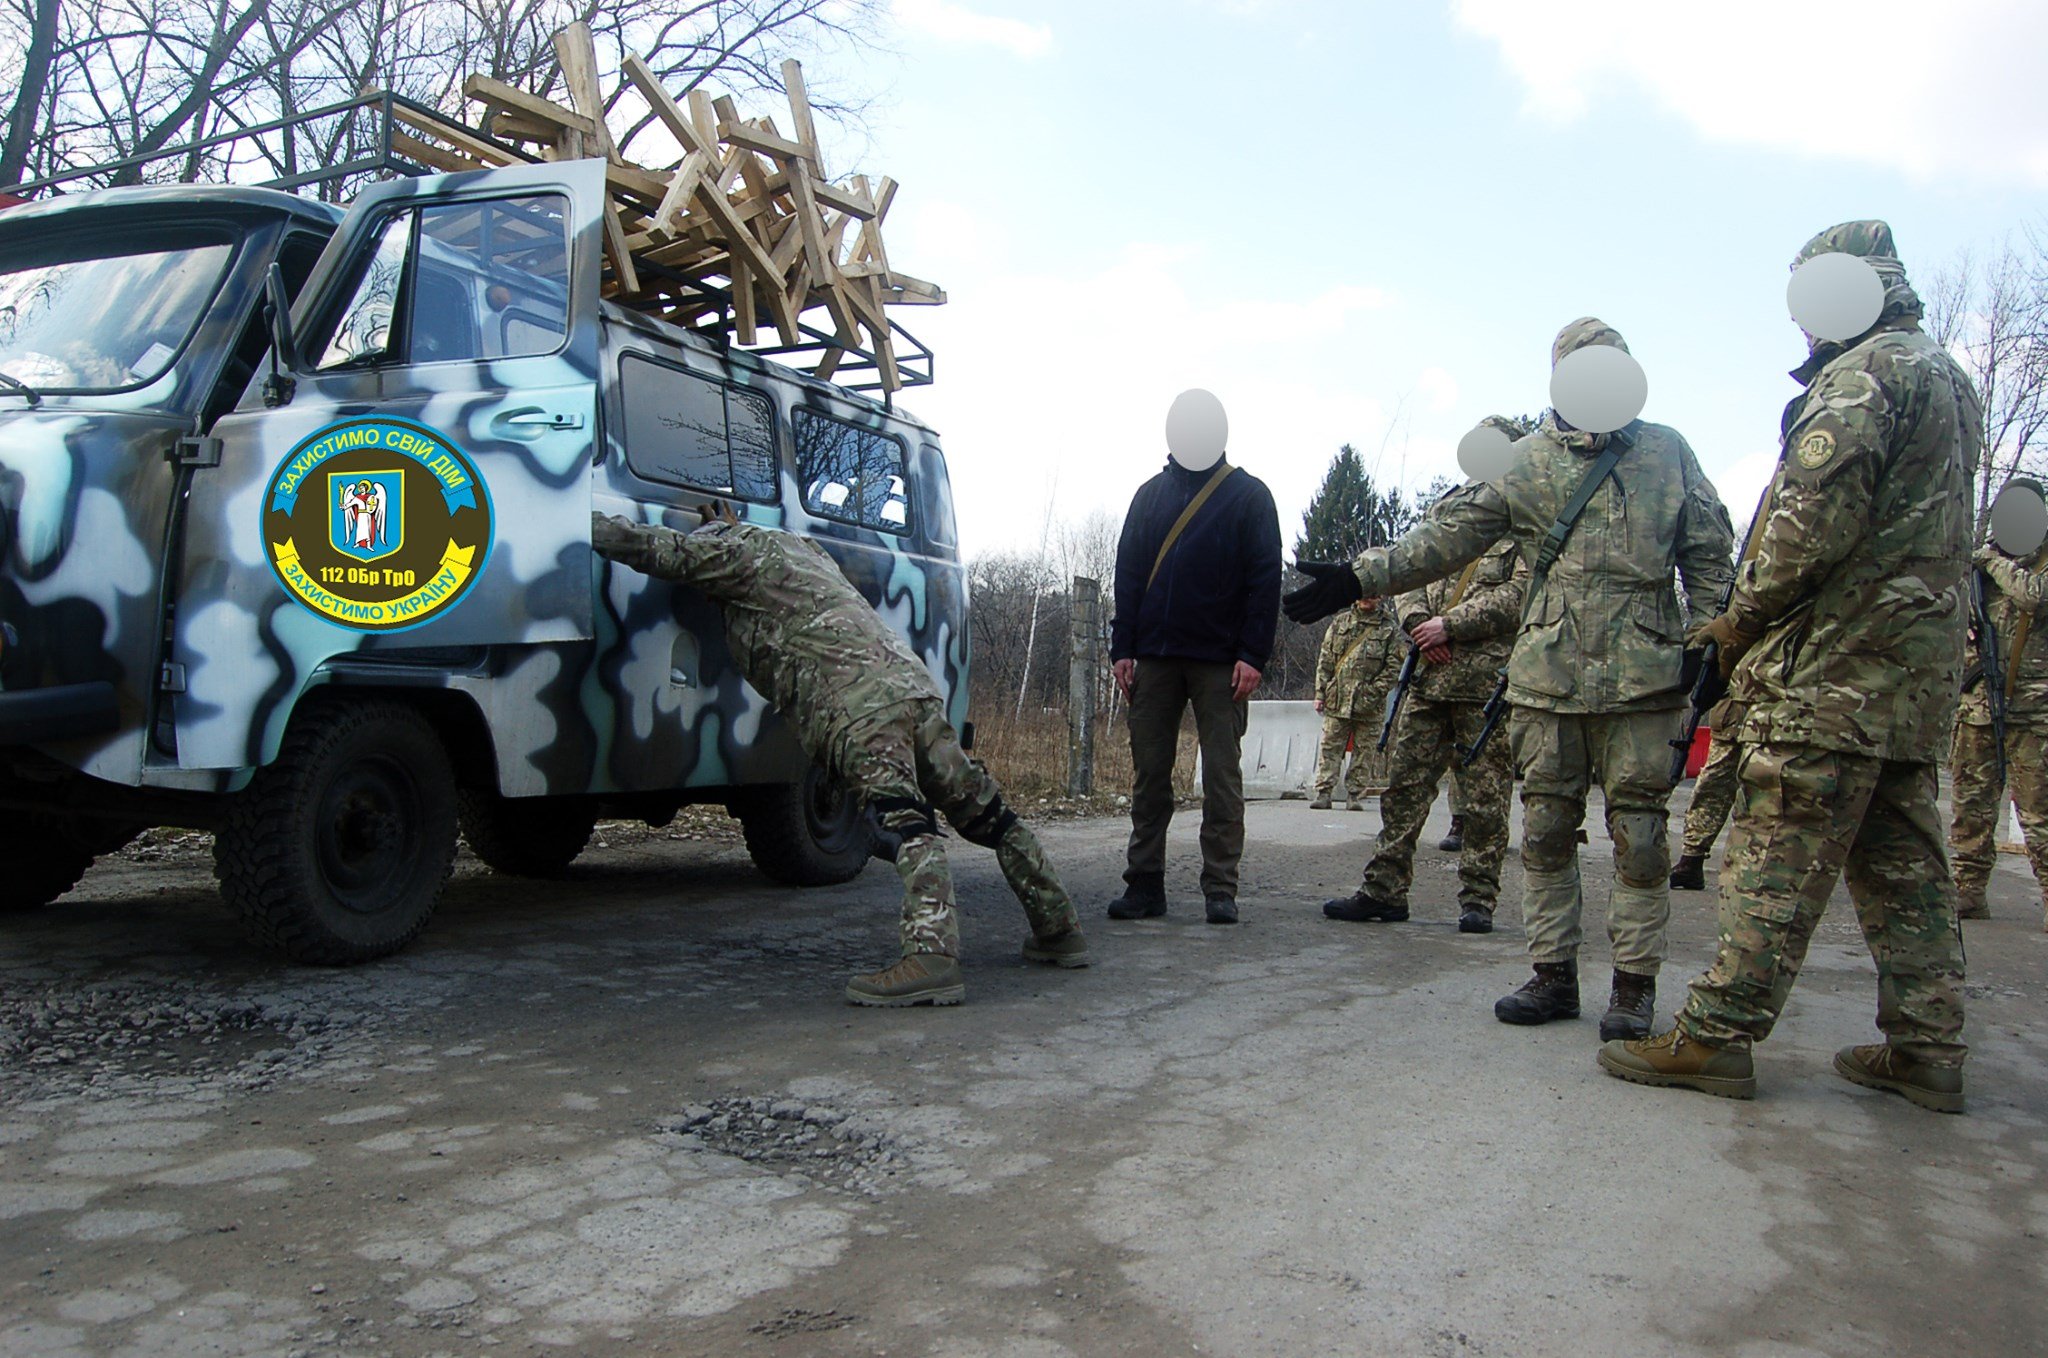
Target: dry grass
[[1029, 755]]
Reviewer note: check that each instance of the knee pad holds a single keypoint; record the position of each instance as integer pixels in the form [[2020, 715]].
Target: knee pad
[[1641, 857], [1549, 843], [904, 817], [989, 825]]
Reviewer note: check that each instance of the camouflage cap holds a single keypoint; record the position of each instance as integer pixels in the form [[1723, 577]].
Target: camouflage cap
[[1507, 424], [1870, 239], [1582, 332]]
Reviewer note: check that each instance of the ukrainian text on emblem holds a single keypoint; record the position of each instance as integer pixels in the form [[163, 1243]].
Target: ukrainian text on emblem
[[377, 524]]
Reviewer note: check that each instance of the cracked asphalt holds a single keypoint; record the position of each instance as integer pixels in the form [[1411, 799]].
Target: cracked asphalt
[[627, 1112]]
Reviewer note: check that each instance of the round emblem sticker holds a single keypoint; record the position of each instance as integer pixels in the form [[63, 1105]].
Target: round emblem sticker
[[377, 524]]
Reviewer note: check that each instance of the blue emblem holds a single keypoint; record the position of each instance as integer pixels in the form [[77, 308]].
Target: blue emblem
[[366, 513]]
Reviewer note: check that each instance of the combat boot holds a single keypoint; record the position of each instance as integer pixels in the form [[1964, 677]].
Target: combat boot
[[1552, 993], [1689, 873], [1143, 898], [1360, 907], [1220, 909], [1883, 1066], [1674, 1061], [1476, 919], [920, 978], [1454, 842], [1354, 805], [1321, 803], [1069, 949], [1630, 1007]]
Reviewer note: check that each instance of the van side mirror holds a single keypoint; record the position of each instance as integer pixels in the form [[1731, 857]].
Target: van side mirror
[[284, 352]]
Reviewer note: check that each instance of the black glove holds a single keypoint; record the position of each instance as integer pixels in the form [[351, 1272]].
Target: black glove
[[1332, 587]]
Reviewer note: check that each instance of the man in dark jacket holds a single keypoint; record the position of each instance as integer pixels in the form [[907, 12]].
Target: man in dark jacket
[[1197, 601]]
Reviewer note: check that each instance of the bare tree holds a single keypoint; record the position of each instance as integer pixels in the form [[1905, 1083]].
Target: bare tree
[[1992, 314], [106, 80]]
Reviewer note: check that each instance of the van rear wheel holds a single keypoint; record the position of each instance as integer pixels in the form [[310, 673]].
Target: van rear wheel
[[525, 836], [338, 851], [813, 833]]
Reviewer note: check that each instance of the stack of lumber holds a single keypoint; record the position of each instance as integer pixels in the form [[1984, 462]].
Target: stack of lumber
[[747, 211]]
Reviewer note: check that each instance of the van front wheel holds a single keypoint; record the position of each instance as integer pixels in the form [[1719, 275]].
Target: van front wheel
[[338, 851]]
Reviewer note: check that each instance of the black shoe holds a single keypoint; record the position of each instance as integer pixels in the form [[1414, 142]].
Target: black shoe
[[1689, 873], [1476, 921], [1143, 898], [1221, 909], [1630, 1008], [1552, 993], [1360, 908], [1454, 842]]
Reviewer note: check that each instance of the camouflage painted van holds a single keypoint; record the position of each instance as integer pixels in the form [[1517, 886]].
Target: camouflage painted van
[[323, 585]]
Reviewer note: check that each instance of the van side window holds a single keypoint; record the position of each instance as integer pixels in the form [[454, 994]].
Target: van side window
[[686, 430], [459, 282], [851, 473]]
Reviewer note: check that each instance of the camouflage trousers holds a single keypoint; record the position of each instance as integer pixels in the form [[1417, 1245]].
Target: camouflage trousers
[[1362, 734], [1428, 740], [1979, 800], [911, 755], [1559, 755], [1804, 817], [1713, 795]]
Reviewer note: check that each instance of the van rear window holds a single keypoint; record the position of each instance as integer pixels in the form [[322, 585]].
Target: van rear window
[[851, 473]]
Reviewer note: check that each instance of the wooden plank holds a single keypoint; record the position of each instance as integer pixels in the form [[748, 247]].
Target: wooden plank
[[704, 116], [930, 294], [742, 301], [577, 52], [501, 122], [667, 110], [831, 195], [800, 113], [741, 241], [432, 156], [615, 246], [456, 136], [682, 185], [631, 179], [767, 143], [484, 90]]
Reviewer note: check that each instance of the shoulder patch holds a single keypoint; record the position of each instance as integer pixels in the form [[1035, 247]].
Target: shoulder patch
[[1816, 449]]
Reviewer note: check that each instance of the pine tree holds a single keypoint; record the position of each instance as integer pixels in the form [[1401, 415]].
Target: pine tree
[[1349, 513]]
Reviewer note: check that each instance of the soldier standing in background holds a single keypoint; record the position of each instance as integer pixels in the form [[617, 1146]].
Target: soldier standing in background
[[1354, 670], [1848, 630], [863, 705], [2019, 591], [1595, 675], [1466, 626], [1713, 794]]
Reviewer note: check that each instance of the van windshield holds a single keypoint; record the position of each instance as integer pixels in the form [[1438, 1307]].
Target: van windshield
[[98, 315]]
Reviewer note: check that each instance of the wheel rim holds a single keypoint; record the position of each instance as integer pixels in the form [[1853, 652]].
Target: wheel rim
[[369, 838], [831, 815]]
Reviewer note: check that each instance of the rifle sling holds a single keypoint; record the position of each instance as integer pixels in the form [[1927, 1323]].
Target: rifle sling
[[1216, 478]]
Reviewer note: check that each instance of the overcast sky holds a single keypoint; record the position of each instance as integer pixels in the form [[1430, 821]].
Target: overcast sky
[[1364, 222]]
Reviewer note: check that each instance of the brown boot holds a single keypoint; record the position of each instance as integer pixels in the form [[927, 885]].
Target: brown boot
[[1552, 993], [1689, 873], [1673, 1060], [1629, 1008], [1882, 1066]]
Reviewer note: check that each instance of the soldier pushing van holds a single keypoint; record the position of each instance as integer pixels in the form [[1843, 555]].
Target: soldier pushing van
[[864, 706]]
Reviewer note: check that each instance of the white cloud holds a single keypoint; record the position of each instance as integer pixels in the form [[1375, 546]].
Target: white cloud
[[958, 24], [1934, 88]]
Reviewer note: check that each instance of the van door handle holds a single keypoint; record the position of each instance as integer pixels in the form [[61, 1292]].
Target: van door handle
[[527, 421]]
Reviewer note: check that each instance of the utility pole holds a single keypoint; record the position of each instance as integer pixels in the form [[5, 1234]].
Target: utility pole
[[1084, 673]]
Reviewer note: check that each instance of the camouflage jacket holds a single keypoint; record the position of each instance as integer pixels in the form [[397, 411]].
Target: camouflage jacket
[[1481, 625], [2019, 590], [1854, 583], [1604, 633], [800, 632], [1356, 664]]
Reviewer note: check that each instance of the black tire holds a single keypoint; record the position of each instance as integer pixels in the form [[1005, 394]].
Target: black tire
[[45, 858], [813, 833], [338, 851], [525, 836]]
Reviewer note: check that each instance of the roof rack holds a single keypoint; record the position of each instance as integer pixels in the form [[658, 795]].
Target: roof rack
[[371, 126]]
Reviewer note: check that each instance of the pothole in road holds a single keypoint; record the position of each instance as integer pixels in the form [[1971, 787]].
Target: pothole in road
[[833, 1148]]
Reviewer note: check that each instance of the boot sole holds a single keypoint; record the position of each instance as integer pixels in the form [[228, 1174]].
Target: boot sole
[[1479, 927], [1930, 1099], [1614, 1030], [1113, 913], [947, 995], [1719, 1086], [1065, 961], [1533, 1020]]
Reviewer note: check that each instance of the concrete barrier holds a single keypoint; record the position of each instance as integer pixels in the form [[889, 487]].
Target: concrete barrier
[[1279, 751]]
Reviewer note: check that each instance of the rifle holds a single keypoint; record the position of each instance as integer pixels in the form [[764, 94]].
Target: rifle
[[1401, 683], [1992, 661], [1708, 687], [1539, 571]]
